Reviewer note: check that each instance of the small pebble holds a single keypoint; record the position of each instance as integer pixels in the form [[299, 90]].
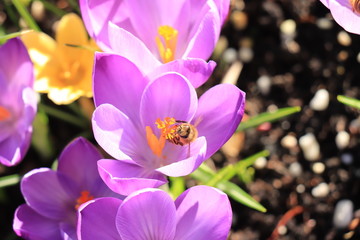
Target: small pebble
[[320, 101], [347, 158], [300, 188], [246, 54], [288, 27], [289, 141], [344, 38], [229, 55], [295, 169], [321, 190], [282, 230], [38, 10], [324, 23], [343, 213], [264, 84], [310, 147], [342, 139], [318, 167], [260, 163]]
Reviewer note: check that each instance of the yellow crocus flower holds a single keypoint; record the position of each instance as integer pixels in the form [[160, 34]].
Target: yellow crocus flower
[[63, 71]]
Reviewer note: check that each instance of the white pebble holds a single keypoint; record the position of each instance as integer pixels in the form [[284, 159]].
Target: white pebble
[[260, 163], [300, 188], [344, 38], [289, 141], [229, 55], [320, 101], [343, 213], [264, 84], [288, 27], [347, 158], [324, 23], [295, 169], [282, 230], [246, 54], [310, 147], [342, 139], [318, 167], [321, 190]]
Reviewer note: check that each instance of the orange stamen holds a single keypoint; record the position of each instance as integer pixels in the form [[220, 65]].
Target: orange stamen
[[84, 197], [156, 145], [167, 127], [4, 114], [166, 42]]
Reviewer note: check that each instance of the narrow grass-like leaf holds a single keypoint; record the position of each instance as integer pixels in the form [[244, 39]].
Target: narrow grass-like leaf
[[63, 116], [204, 174], [352, 102], [9, 180], [6, 37], [26, 15], [228, 172], [267, 117], [41, 140]]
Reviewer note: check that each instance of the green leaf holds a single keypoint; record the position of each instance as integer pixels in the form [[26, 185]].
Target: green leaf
[[177, 186], [239, 168], [267, 117], [4, 38], [9, 180], [26, 15], [41, 140], [205, 174], [352, 102]]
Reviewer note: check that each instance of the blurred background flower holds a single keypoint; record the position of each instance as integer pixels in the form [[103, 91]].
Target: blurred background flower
[[64, 65], [18, 102]]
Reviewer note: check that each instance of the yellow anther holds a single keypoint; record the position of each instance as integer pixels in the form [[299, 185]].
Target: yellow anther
[[166, 42]]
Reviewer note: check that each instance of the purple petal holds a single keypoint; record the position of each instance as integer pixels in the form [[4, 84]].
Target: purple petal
[[199, 215], [129, 46], [219, 113], [203, 41], [115, 133], [50, 193], [170, 95], [97, 219], [119, 82], [197, 71], [147, 214], [14, 148], [16, 66], [223, 7], [28, 224], [97, 13], [342, 12], [78, 161], [188, 164], [124, 177]]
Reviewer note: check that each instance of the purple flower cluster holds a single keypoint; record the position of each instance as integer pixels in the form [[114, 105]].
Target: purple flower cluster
[[148, 117]]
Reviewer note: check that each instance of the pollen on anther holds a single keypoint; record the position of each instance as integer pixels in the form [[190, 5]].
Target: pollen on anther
[[167, 127]]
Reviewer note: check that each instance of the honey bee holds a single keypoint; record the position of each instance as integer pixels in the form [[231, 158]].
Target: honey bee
[[355, 4], [185, 133]]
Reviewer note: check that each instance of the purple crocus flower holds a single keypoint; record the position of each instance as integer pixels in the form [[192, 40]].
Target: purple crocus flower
[[18, 102], [150, 33], [201, 213], [155, 125], [346, 13], [53, 197]]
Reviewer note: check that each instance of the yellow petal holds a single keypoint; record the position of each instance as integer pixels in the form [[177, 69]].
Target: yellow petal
[[71, 31], [41, 48], [63, 95]]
